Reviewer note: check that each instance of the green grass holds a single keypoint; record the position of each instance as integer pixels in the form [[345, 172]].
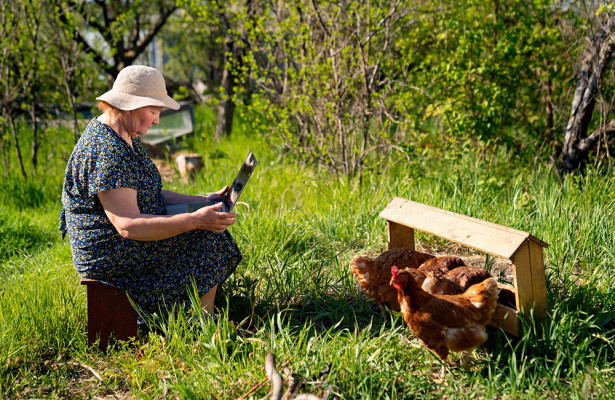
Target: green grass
[[297, 236]]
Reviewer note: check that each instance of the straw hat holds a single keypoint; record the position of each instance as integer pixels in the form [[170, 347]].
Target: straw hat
[[138, 86]]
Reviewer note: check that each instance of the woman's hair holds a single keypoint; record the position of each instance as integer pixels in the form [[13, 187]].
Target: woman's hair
[[104, 107]]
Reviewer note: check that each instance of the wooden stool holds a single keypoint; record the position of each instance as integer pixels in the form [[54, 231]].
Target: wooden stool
[[522, 249], [109, 310]]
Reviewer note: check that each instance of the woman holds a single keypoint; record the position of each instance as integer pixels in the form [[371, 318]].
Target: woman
[[114, 207]]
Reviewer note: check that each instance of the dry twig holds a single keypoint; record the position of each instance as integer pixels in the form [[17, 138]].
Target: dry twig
[[255, 387], [274, 377], [293, 386]]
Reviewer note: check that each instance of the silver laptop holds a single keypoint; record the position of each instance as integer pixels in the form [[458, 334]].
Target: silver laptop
[[231, 195]]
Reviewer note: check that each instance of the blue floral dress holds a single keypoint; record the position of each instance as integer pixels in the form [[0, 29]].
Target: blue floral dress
[[156, 274]]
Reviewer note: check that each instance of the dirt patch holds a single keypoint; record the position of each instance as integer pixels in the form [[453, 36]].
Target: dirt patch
[[167, 172]]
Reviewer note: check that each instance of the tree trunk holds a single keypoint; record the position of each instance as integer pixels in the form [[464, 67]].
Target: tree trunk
[[35, 139], [16, 143], [226, 107], [67, 52], [73, 105], [5, 144], [4, 149], [593, 65]]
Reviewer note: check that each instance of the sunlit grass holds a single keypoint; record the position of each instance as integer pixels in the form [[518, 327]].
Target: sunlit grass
[[293, 293]]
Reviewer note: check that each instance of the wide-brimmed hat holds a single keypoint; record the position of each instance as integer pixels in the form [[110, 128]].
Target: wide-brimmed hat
[[138, 86]]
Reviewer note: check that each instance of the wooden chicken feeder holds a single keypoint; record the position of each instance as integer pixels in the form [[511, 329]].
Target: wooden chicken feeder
[[522, 249]]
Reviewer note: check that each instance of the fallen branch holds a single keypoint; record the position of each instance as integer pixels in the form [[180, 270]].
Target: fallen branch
[[327, 393], [261, 383], [41, 390], [293, 386], [82, 365], [274, 377], [325, 371], [277, 384]]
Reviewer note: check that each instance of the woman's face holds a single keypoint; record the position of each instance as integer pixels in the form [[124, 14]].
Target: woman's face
[[141, 119]]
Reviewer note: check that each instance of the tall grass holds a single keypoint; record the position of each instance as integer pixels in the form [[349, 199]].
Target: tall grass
[[293, 293]]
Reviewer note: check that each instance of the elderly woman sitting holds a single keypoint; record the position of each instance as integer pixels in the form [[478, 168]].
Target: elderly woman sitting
[[114, 207]]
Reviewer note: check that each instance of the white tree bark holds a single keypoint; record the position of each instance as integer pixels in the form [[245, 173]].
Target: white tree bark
[[595, 60]]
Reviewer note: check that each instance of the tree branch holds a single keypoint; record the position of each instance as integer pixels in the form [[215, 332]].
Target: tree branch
[[586, 143], [152, 33], [322, 23]]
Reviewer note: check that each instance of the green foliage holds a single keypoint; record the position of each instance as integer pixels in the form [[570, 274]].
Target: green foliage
[[342, 85], [322, 80], [39, 73], [447, 79], [484, 71], [121, 30], [345, 84], [193, 50]]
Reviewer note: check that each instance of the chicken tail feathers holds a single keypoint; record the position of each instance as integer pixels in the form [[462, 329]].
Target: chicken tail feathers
[[484, 295], [360, 265]]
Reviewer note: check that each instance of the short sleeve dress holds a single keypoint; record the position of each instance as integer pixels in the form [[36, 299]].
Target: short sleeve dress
[[156, 274]]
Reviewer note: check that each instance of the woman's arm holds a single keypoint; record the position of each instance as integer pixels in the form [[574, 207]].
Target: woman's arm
[[121, 208], [174, 198]]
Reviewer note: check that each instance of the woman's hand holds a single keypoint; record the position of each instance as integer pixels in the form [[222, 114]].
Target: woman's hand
[[219, 195], [210, 219]]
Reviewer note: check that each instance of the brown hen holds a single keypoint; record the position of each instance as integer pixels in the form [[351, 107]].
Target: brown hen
[[374, 275], [446, 323], [455, 281], [440, 265], [431, 271]]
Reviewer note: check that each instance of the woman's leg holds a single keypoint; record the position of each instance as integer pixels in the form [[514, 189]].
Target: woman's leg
[[207, 300]]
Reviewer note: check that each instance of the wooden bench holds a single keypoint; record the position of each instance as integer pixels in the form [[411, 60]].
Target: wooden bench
[[109, 311], [522, 249]]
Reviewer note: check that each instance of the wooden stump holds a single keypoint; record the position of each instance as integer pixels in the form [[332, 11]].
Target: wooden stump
[[189, 164]]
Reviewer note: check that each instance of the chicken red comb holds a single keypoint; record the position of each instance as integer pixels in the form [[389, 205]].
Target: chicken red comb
[[394, 271]]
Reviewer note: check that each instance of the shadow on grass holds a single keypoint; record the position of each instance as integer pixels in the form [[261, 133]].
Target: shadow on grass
[[320, 310], [20, 240], [577, 336]]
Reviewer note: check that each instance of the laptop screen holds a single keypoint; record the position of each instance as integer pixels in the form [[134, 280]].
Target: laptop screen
[[240, 181]]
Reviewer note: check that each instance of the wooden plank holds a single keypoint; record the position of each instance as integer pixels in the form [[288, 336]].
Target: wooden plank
[[539, 280], [523, 278], [487, 237], [507, 319], [400, 236]]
